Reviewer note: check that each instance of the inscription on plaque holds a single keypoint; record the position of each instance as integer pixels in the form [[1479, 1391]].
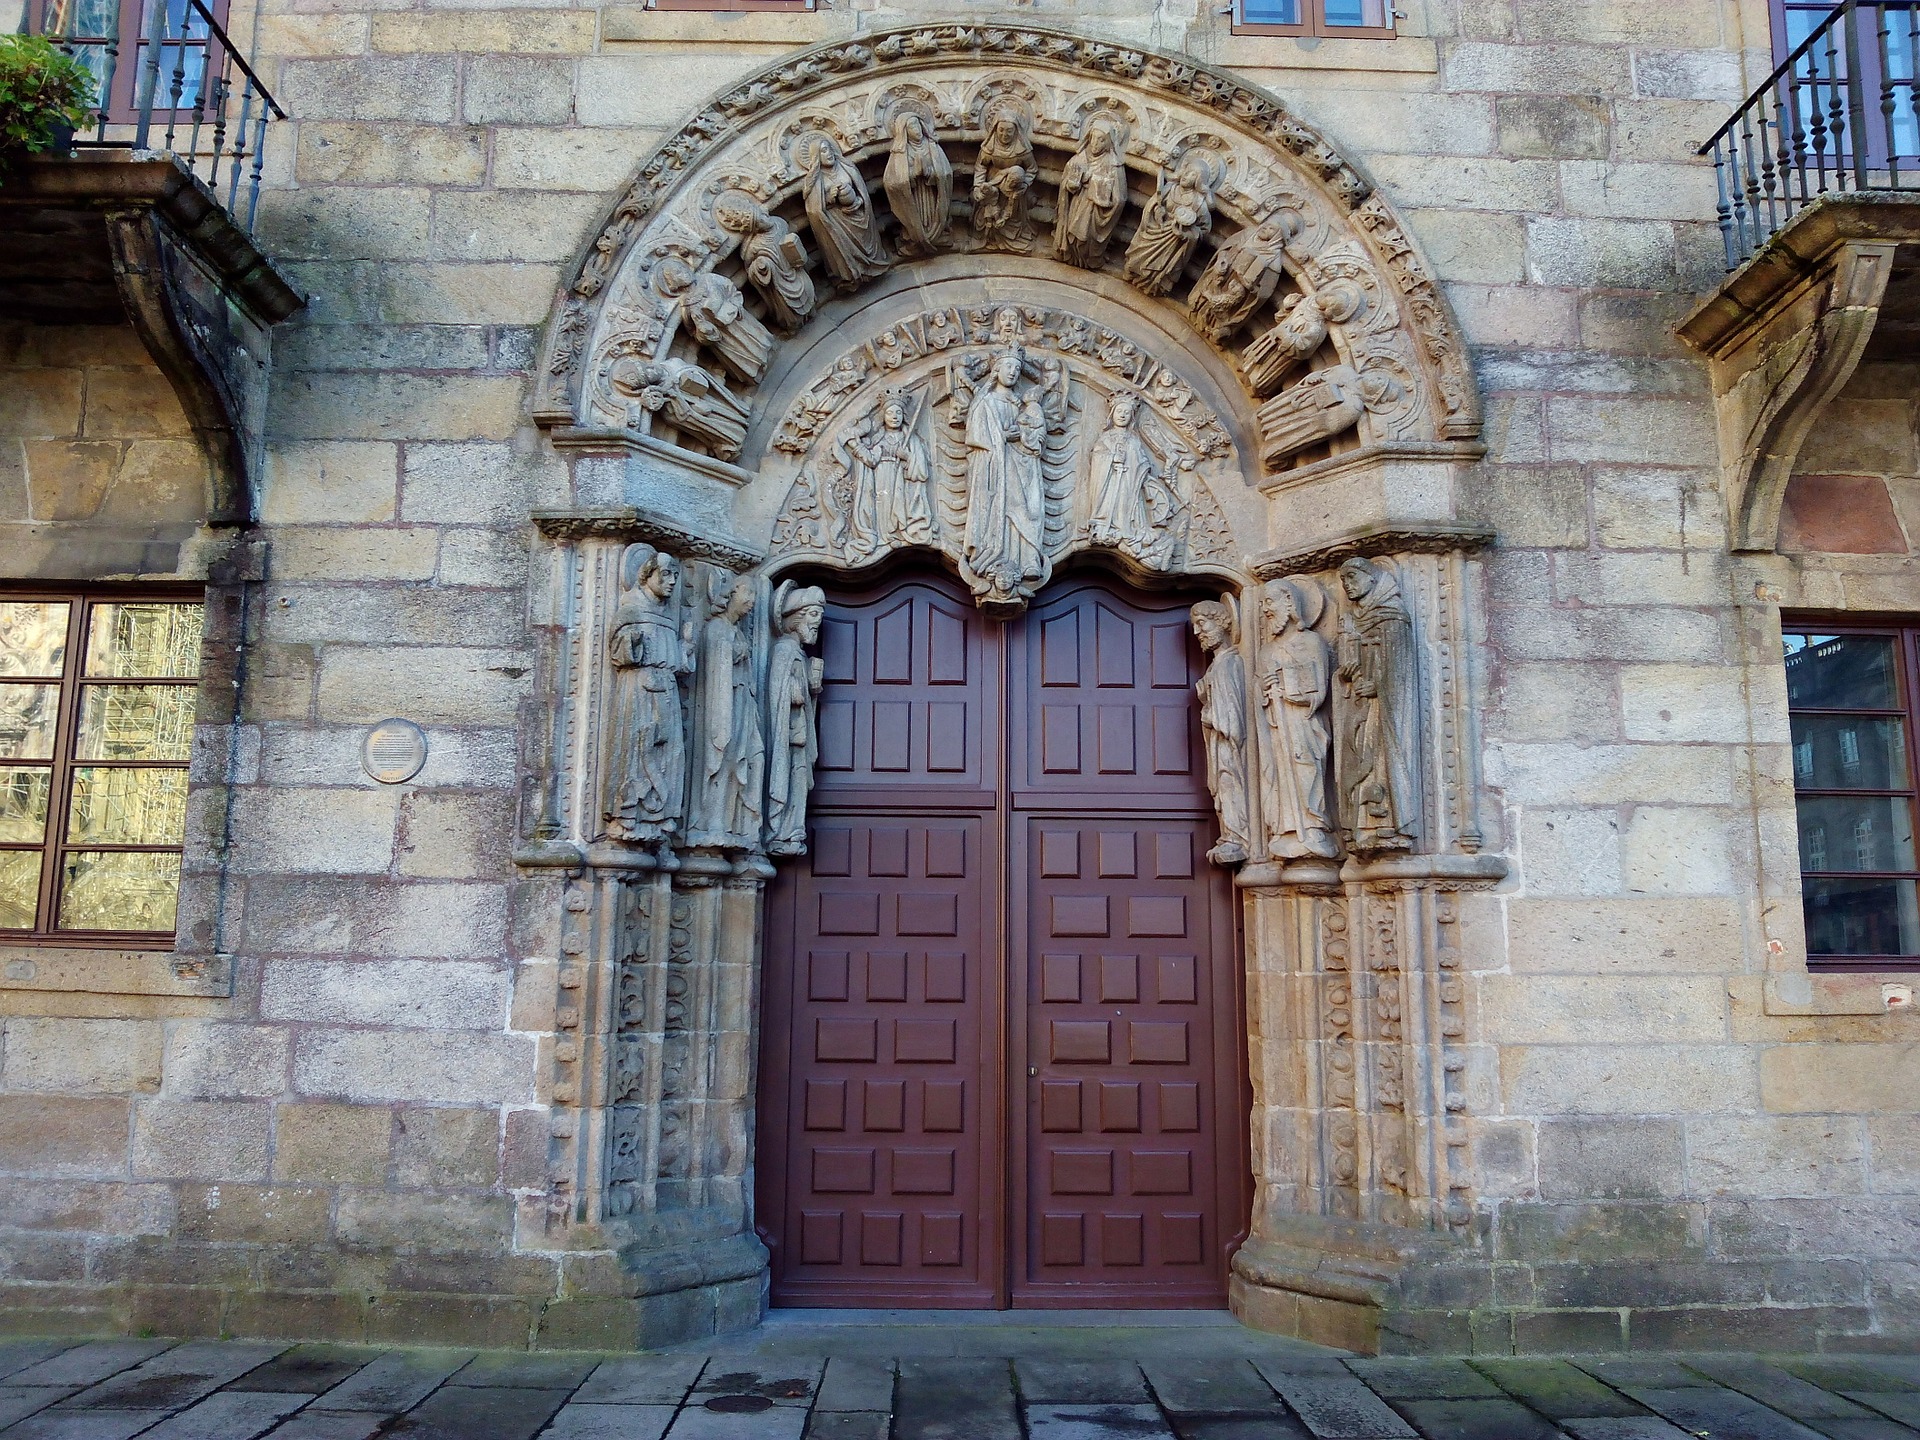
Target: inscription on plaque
[[394, 751]]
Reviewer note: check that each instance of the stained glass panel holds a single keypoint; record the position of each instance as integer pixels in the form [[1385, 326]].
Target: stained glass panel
[[19, 888]]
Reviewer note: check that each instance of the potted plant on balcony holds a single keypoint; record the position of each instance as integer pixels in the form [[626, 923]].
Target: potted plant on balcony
[[44, 95]]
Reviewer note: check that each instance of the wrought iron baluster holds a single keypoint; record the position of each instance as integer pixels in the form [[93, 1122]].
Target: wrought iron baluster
[[1799, 137], [1821, 129], [240, 133], [1860, 141], [150, 73], [220, 100], [1725, 207], [1750, 203], [179, 74], [259, 162], [109, 71], [1884, 52], [1911, 82]]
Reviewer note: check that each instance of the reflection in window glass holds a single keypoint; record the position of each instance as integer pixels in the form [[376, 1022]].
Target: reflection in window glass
[[23, 805], [19, 888], [136, 722], [1356, 12], [29, 715], [1875, 918], [1878, 832], [116, 806], [1849, 752], [33, 637], [1841, 672], [146, 641], [119, 889], [1272, 12]]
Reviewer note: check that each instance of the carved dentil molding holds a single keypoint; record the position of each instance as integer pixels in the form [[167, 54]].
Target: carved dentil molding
[[1170, 176]]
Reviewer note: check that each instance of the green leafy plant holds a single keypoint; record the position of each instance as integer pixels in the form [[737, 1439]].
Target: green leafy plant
[[43, 90]]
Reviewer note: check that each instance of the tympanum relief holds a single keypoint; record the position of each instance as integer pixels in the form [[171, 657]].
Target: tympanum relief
[[1005, 438], [1242, 218]]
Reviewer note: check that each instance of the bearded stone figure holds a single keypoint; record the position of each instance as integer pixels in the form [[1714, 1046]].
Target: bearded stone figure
[[1093, 193], [774, 259], [1180, 212], [646, 786], [712, 307], [841, 213], [919, 183], [1123, 471], [1380, 718], [1223, 723], [730, 746], [1002, 175], [1006, 485], [794, 679], [1296, 668]]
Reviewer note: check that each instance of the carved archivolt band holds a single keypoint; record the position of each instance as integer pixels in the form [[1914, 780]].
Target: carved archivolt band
[[819, 174]]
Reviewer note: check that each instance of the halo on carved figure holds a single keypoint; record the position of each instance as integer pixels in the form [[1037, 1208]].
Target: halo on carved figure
[[896, 102], [1256, 155], [1111, 111]]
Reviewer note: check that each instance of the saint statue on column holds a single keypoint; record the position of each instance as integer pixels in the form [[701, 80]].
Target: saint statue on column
[[1223, 721], [646, 787], [1296, 666], [794, 679], [1380, 723]]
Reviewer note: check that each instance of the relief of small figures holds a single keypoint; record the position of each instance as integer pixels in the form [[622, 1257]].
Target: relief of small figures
[[1296, 670], [649, 650], [1132, 504], [694, 402], [919, 184], [794, 680], [730, 747], [1223, 722], [1180, 212], [1002, 175], [715, 312], [841, 213], [1241, 275], [771, 254], [894, 469], [1093, 194]]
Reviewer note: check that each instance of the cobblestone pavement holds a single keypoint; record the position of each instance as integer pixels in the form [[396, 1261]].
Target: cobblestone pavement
[[1083, 1377]]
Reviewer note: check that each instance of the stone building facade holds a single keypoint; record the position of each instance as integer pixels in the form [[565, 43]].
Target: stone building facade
[[591, 339]]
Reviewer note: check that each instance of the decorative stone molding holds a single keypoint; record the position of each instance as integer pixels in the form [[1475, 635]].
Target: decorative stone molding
[[809, 141], [1782, 337]]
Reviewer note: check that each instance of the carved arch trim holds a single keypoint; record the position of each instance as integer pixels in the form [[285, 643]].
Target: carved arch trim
[[1390, 332]]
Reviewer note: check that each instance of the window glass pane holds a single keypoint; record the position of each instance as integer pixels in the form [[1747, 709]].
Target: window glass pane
[[147, 640], [1849, 752], [1355, 12], [1271, 12], [27, 717], [19, 888], [1841, 672], [33, 637], [1862, 917], [23, 804], [128, 807], [118, 890], [136, 722], [1843, 833]]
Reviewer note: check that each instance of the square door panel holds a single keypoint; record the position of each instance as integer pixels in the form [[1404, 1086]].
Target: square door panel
[[1123, 1239], [1080, 915], [1157, 915], [943, 1106], [1119, 1106], [1082, 1172], [850, 914], [1060, 979], [820, 1232], [1157, 1042], [923, 1172], [1179, 1107], [946, 853], [1063, 1239], [1162, 1172], [832, 851], [1060, 1106], [885, 1105], [887, 851], [1179, 980], [942, 1239], [1080, 1042], [946, 978], [842, 1172], [1119, 979], [826, 1104], [855, 1040], [929, 915], [880, 1236], [827, 975], [886, 976], [923, 1042]]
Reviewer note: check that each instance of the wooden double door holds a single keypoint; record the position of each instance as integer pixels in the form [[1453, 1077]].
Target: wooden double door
[[1003, 1060]]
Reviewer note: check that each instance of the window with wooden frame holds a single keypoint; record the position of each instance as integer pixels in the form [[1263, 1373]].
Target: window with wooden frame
[[1850, 701], [109, 37], [97, 696], [730, 5], [1793, 21], [1331, 19]]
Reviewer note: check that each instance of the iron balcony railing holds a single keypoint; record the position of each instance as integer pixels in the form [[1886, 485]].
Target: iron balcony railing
[[169, 81], [1837, 117]]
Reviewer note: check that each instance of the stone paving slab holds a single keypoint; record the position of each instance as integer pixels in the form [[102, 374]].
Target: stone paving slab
[[1007, 1381]]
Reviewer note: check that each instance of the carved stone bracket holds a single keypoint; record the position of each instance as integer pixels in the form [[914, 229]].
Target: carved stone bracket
[[1784, 335], [1373, 542], [633, 523], [197, 290]]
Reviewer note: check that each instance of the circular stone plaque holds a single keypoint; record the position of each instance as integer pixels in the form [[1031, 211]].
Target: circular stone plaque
[[394, 751]]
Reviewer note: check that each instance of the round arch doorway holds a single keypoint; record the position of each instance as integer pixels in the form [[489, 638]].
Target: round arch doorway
[[1003, 1048]]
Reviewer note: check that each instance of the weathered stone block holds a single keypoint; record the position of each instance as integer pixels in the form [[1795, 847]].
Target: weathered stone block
[[443, 1221], [381, 1065], [468, 484], [1569, 1009], [367, 88], [331, 1144], [1629, 1158], [315, 831], [253, 1214], [1596, 1233], [373, 154], [1839, 1079], [351, 406], [429, 685], [202, 1140], [1685, 850], [1627, 1079], [1559, 774], [82, 1057], [331, 483], [1538, 69], [405, 553], [1554, 127], [446, 1147], [454, 836], [520, 90], [429, 994], [226, 1062], [63, 1136], [1622, 936]]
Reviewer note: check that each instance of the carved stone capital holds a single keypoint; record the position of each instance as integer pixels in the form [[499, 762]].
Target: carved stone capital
[[1371, 543], [633, 523]]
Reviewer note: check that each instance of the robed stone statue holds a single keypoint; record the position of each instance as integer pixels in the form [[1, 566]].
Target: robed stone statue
[[730, 744], [1296, 666], [1380, 718], [794, 679], [919, 183], [1006, 482], [646, 785], [1223, 723], [841, 213], [1123, 470]]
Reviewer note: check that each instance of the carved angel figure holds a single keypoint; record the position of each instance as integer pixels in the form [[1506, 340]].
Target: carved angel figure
[[1223, 722], [646, 786], [919, 181], [1123, 470], [794, 679], [1180, 212], [1093, 193], [1380, 718], [1326, 403], [1004, 554], [773, 257], [695, 402], [1296, 667], [712, 307], [730, 746], [1240, 276], [841, 213], [1299, 329], [897, 471], [1002, 175]]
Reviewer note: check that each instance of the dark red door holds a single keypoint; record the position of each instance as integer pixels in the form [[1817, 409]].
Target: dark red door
[[1001, 1003]]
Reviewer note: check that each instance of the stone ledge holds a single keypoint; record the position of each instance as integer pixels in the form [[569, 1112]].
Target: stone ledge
[[106, 971], [1834, 994]]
